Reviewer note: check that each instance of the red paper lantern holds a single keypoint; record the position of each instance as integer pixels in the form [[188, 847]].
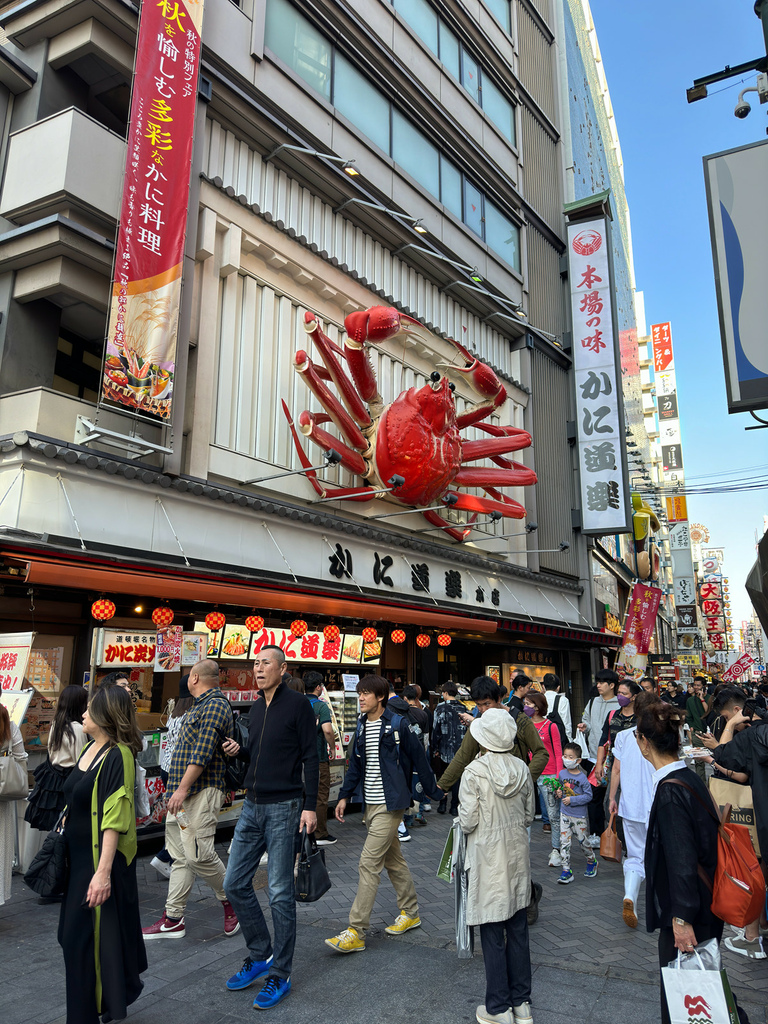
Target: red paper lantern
[[423, 640], [162, 617], [299, 627], [397, 636], [444, 640], [369, 635], [215, 621], [103, 609], [254, 623], [331, 634]]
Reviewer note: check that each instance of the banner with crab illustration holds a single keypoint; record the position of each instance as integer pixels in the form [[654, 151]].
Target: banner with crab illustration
[[144, 314]]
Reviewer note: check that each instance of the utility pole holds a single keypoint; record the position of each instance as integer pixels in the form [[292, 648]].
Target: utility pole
[[698, 90]]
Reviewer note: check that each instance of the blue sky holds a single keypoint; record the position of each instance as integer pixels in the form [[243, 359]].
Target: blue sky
[[651, 53]]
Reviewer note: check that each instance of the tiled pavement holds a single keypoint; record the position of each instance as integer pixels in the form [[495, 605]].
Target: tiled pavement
[[588, 967]]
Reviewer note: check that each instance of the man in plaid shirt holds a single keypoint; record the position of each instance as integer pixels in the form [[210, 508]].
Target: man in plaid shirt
[[196, 787]]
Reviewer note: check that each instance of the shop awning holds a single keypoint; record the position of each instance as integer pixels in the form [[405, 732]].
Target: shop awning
[[188, 586]]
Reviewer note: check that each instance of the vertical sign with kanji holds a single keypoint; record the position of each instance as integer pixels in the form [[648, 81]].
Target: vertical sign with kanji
[[144, 314], [599, 413]]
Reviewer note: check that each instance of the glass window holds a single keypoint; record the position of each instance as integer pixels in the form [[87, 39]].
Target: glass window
[[470, 76], [415, 154], [473, 208], [450, 187], [499, 109], [502, 235], [364, 105], [449, 50], [500, 10], [422, 20], [298, 43]]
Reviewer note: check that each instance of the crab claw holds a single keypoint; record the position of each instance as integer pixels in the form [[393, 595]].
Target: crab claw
[[377, 323], [481, 377]]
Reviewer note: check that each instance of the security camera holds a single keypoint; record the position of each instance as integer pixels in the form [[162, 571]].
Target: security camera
[[742, 109]]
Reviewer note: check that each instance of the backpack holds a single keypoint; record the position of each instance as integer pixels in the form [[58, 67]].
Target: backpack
[[556, 720], [235, 770], [738, 891]]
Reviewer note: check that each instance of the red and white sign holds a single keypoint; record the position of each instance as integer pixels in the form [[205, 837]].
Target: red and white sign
[[120, 649], [663, 356], [144, 314], [640, 620], [738, 668], [14, 656], [168, 649]]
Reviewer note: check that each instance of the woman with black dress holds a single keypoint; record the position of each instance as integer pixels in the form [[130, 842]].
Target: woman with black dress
[[682, 834], [99, 927], [65, 742]]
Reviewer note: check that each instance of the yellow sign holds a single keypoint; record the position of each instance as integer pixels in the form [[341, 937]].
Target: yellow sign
[[688, 659], [677, 510], [612, 623]]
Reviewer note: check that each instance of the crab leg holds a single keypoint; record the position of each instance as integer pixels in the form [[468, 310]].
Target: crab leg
[[508, 508], [352, 493], [452, 531], [374, 324], [337, 374], [351, 460], [484, 476], [473, 450], [344, 422]]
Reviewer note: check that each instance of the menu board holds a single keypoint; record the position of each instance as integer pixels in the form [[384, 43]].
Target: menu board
[[16, 703], [168, 649], [14, 655], [194, 648], [214, 639], [38, 720], [44, 669], [235, 642]]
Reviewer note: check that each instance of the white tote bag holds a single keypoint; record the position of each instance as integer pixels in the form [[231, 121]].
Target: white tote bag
[[697, 994]]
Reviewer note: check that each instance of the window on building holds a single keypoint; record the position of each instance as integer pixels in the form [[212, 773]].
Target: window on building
[[502, 235], [361, 102], [298, 44], [500, 9], [499, 109], [415, 154], [77, 371], [422, 18]]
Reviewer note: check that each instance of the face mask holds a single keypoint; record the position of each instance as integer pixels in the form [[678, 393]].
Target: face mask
[[529, 711], [623, 700], [570, 763]]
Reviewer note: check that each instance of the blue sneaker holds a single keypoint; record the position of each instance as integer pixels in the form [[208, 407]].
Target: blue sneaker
[[274, 990], [591, 871], [565, 877], [251, 971]]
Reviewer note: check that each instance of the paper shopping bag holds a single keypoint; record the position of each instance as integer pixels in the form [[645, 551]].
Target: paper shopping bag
[[698, 996], [444, 867], [465, 936], [742, 807]]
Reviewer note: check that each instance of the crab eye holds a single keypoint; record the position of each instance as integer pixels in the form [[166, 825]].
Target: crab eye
[[452, 386], [434, 376]]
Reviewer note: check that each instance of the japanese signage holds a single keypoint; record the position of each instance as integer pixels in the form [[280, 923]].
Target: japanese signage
[[677, 510], [666, 400], [119, 648], [45, 668], [14, 655], [738, 669], [640, 621], [143, 321], [712, 604], [168, 649], [688, 659], [686, 618], [194, 647], [349, 649], [663, 356], [599, 413]]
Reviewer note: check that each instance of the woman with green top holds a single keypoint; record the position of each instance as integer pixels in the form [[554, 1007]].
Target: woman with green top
[[99, 927], [697, 707]]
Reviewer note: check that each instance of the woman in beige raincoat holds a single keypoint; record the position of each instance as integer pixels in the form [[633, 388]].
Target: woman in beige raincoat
[[496, 808]]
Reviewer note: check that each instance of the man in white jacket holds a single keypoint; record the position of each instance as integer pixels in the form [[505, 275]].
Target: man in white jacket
[[598, 709]]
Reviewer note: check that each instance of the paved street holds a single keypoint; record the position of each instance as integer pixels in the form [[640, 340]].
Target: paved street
[[588, 967]]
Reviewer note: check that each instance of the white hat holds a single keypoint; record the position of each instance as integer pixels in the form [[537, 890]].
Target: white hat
[[495, 730]]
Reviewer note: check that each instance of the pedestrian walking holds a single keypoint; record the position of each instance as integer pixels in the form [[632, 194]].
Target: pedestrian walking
[[496, 809], [589, 731], [282, 743], [11, 746], [99, 925], [631, 797], [65, 742], [558, 705], [196, 787], [697, 707], [313, 687], [574, 795], [162, 860], [535, 706], [384, 758], [447, 733]]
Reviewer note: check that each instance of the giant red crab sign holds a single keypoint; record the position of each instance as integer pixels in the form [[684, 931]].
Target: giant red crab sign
[[416, 438]]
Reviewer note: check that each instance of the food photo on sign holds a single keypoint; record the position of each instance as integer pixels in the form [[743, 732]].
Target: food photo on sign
[[168, 649]]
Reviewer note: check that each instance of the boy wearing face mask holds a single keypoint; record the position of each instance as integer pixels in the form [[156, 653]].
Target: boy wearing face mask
[[574, 795]]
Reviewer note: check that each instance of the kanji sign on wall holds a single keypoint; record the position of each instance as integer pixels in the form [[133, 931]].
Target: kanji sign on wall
[[144, 313], [599, 414]]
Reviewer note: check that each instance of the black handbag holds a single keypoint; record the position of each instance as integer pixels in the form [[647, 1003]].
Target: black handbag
[[235, 770], [312, 878], [47, 874]]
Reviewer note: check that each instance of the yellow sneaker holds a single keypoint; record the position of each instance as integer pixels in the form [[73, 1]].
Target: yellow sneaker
[[403, 924], [347, 941]]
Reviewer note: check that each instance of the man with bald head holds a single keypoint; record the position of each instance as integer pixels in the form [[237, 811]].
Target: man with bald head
[[282, 745], [196, 787]]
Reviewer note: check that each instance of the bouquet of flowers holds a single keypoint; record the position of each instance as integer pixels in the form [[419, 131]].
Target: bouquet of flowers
[[554, 785]]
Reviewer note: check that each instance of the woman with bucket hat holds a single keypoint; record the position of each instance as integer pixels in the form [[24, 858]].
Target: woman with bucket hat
[[496, 808]]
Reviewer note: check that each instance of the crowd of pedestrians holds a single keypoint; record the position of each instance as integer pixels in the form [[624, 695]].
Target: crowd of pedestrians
[[513, 759]]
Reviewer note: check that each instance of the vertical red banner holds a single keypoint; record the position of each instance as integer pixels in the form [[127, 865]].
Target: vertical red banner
[[641, 619], [144, 314]]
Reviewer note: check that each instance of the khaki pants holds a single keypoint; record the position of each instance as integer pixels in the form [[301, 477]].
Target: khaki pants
[[323, 791], [381, 850], [193, 851]]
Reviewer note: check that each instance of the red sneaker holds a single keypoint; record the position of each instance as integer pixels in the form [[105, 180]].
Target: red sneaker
[[231, 924], [165, 928]]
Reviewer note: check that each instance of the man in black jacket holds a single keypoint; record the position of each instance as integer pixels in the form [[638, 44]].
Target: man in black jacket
[[282, 739]]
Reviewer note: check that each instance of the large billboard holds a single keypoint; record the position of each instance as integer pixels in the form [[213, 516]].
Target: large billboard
[[737, 198]]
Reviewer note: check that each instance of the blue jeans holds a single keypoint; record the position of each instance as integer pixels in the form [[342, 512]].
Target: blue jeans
[[274, 828]]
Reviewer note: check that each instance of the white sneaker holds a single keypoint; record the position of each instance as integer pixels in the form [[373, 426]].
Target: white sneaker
[[427, 807], [555, 860], [522, 1014], [162, 867]]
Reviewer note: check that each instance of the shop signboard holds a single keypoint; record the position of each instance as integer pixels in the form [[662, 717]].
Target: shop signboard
[[44, 669], [349, 649], [194, 648], [738, 668], [168, 649], [688, 659], [599, 411], [640, 620], [235, 642], [686, 618], [14, 658], [144, 313], [677, 509], [661, 340], [119, 648]]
